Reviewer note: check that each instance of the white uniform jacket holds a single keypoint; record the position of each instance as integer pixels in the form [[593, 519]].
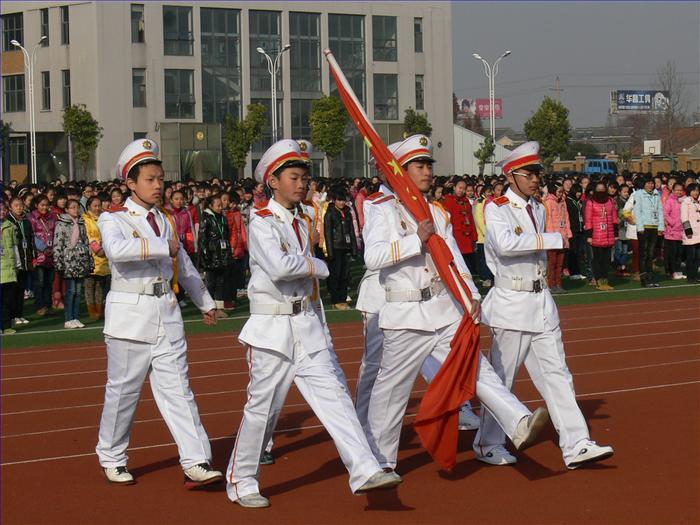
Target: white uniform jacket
[[393, 247], [137, 256], [370, 294], [282, 271], [514, 249]]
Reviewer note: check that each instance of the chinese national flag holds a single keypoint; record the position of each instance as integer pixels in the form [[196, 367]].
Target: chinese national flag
[[455, 383]]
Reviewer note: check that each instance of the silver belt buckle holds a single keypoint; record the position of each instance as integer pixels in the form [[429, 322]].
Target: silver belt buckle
[[158, 289], [425, 294], [296, 307], [536, 286]]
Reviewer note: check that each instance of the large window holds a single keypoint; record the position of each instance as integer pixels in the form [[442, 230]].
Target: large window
[[44, 16], [386, 97], [418, 35], [12, 29], [179, 93], [138, 24], [384, 38], [46, 90], [18, 150], [420, 92], [13, 91], [264, 33], [65, 82], [305, 53], [221, 64], [138, 87], [65, 25], [178, 39], [346, 38], [301, 111]]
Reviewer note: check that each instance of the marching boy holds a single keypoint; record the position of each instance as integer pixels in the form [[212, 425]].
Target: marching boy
[[143, 328], [286, 338], [420, 318], [522, 314]]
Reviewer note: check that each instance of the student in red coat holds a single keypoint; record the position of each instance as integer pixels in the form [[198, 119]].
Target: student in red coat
[[462, 219]]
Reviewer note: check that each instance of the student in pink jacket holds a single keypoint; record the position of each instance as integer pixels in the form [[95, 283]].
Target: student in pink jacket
[[600, 225], [557, 221], [690, 222], [673, 234]]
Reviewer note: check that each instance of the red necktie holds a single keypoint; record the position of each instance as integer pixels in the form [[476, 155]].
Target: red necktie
[[532, 217], [151, 218], [295, 225]]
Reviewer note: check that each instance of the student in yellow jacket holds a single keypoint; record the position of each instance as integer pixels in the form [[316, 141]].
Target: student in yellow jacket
[[97, 283]]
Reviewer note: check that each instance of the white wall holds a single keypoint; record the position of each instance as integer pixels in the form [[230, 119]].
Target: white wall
[[466, 142]]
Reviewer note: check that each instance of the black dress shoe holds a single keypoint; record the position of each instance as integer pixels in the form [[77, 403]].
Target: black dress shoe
[[266, 458]]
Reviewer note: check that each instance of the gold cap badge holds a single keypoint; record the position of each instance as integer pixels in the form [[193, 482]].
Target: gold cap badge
[[147, 144]]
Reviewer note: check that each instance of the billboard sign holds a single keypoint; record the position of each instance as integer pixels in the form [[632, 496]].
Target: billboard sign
[[483, 106], [465, 108], [640, 101]]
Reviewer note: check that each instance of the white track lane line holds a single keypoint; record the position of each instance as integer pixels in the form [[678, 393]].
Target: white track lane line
[[572, 356], [337, 338], [565, 308], [594, 372], [617, 325], [308, 427]]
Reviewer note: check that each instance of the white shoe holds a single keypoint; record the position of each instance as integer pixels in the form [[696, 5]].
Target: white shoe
[[16, 321], [23, 320], [253, 501], [497, 456], [589, 452], [468, 420], [529, 427], [486, 283], [677, 276], [381, 480], [348, 299], [119, 475], [69, 324], [182, 303], [201, 474], [78, 324]]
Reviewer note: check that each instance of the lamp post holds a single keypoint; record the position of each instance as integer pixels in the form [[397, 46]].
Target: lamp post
[[491, 72], [29, 61], [272, 67]]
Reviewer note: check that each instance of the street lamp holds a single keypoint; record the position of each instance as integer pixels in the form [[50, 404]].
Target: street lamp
[[29, 61], [272, 67], [491, 72]]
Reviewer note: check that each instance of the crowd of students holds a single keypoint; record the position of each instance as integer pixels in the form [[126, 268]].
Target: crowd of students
[[620, 226]]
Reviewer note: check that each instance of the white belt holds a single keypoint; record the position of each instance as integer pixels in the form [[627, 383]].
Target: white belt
[[519, 284], [414, 296], [158, 289], [293, 308]]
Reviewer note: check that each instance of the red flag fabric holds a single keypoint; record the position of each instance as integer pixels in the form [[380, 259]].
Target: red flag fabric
[[455, 383]]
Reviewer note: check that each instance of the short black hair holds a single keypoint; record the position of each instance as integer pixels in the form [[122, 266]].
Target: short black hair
[[291, 164], [135, 170]]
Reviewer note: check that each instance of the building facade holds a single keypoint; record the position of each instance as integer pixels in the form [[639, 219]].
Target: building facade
[[175, 71]]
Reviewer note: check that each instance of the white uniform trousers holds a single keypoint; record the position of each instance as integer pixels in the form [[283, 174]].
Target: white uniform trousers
[[404, 353], [544, 358], [128, 362], [324, 389], [372, 358], [369, 368]]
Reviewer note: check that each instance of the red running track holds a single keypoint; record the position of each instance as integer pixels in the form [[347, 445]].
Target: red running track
[[636, 368]]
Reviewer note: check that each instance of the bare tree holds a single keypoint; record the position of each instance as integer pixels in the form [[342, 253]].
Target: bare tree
[[668, 78]]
